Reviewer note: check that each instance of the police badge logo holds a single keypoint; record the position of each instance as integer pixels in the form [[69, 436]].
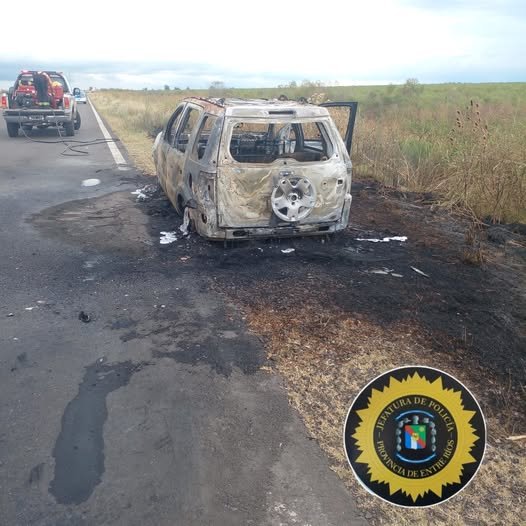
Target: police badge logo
[[415, 436]]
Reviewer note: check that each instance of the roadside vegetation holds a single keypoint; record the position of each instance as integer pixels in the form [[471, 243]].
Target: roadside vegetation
[[465, 143]]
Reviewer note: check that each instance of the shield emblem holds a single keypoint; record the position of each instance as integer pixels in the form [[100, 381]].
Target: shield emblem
[[415, 436]]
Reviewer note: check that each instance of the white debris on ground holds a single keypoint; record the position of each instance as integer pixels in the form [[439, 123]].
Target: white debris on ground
[[167, 238], [139, 193], [90, 182], [29, 308], [384, 240], [144, 192], [385, 272], [418, 271], [288, 250], [186, 221]]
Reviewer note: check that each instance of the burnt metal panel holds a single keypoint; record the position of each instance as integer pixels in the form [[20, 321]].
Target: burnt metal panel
[[352, 119]]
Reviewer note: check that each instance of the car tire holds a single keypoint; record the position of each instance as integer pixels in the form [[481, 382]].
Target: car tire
[[69, 128], [77, 121], [12, 129]]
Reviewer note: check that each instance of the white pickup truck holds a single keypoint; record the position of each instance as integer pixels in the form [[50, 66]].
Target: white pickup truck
[[42, 99]]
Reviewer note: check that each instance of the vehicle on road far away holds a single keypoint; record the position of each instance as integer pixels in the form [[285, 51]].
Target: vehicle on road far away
[[256, 168], [80, 96], [42, 99]]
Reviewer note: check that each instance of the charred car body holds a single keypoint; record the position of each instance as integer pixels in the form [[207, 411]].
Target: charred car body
[[42, 99], [257, 168]]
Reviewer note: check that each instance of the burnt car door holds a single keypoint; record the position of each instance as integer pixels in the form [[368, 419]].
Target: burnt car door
[[166, 144], [176, 184], [199, 169], [344, 116]]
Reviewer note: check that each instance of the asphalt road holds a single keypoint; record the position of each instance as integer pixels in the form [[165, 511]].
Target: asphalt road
[[156, 411]]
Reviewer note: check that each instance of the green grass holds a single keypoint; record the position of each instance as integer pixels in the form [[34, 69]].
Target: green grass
[[464, 142]]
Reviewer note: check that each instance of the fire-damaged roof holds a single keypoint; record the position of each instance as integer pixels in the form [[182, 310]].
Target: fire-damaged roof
[[259, 107]]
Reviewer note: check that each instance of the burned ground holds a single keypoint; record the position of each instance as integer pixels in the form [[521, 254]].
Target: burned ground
[[459, 309], [335, 312]]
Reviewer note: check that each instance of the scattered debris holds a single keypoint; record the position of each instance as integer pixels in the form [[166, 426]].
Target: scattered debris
[[378, 271], [29, 308], [184, 258], [418, 271], [10, 315], [41, 302], [386, 272], [517, 437], [384, 240], [288, 250], [83, 316], [144, 192], [90, 182], [139, 193], [167, 238]]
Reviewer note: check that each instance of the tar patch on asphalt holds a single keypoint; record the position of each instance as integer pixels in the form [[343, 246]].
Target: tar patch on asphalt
[[79, 449]]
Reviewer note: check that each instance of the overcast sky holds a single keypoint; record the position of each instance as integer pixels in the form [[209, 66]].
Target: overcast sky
[[149, 44]]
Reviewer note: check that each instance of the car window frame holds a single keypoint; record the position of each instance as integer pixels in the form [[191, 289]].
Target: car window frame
[[173, 121], [194, 154], [184, 121], [326, 135]]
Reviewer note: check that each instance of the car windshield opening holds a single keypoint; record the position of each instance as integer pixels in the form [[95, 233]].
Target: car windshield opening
[[257, 142]]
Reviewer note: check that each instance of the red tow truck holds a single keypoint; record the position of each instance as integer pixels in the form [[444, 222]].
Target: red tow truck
[[42, 99]]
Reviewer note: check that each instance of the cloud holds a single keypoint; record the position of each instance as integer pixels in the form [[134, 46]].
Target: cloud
[[452, 40], [503, 7]]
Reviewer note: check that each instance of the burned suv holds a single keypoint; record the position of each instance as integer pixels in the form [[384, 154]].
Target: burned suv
[[258, 168]]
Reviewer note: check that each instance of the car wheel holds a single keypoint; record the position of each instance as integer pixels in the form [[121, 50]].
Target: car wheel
[[77, 121], [12, 129], [69, 128]]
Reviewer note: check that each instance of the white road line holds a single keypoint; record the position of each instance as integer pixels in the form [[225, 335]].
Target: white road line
[[117, 155]]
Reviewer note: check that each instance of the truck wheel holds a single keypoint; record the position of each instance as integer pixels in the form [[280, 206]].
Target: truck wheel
[[12, 129], [69, 128], [77, 121]]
